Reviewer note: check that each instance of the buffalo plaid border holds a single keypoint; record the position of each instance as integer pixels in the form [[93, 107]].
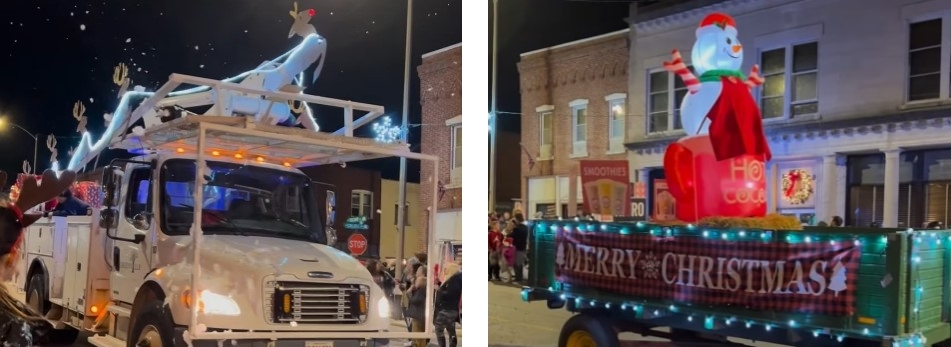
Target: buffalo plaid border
[[653, 250]]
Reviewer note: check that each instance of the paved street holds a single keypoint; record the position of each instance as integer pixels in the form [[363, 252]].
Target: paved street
[[397, 325], [514, 323]]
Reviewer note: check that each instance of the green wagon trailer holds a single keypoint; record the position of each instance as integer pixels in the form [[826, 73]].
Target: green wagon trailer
[[813, 287]]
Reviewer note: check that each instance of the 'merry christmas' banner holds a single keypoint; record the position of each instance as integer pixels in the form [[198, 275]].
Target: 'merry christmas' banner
[[816, 277]]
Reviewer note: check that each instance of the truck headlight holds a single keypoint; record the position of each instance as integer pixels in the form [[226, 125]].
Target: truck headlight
[[219, 304], [383, 307], [212, 303]]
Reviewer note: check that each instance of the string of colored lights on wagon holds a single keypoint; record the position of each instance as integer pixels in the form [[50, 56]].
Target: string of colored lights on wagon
[[920, 239]]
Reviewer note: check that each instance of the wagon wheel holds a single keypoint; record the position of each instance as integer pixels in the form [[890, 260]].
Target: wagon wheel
[[583, 330]]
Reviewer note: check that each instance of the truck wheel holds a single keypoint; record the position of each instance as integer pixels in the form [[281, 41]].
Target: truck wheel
[[153, 328], [37, 297], [582, 330]]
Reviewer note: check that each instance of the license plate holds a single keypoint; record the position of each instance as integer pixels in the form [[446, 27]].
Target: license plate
[[319, 344]]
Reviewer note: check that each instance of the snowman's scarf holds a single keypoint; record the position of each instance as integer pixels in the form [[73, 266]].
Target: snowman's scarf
[[736, 127], [715, 75]]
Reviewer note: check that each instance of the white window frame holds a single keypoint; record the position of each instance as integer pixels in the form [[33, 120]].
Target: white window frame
[[545, 150], [369, 203], [788, 76], [944, 90], [455, 178], [673, 108], [579, 148], [616, 143]]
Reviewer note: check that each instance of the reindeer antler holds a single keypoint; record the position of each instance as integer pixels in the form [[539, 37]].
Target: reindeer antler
[[294, 11], [79, 110], [33, 193], [51, 142], [120, 73]]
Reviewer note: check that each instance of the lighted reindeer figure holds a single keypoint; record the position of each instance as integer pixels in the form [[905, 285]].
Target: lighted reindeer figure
[[79, 114]]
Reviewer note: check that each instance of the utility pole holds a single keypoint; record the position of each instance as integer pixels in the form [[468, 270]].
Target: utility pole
[[401, 210], [494, 117]]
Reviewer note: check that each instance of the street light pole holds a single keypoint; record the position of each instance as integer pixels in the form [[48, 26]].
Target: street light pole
[[494, 115], [36, 145], [401, 210]]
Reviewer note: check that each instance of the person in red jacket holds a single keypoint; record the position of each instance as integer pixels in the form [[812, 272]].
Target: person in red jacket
[[495, 239]]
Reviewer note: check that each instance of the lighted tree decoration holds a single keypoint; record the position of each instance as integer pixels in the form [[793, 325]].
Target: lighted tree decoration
[[385, 131]]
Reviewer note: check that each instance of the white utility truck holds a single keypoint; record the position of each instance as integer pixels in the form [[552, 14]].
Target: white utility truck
[[211, 235]]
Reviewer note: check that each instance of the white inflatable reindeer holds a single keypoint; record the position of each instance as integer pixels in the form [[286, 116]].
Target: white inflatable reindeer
[[284, 73]]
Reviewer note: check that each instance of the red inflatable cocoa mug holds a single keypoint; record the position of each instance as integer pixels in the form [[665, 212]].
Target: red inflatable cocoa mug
[[705, 187]]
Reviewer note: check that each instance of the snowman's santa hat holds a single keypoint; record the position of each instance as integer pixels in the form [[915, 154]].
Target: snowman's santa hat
[[716, 21]]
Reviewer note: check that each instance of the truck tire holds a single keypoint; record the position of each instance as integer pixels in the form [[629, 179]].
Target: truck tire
[[583, 330], [153, 327], [37, 295]]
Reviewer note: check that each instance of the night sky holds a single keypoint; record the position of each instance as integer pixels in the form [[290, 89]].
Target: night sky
[[57, 52], [528, 25]]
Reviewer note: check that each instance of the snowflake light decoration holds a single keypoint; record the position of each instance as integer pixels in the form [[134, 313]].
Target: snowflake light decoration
[[385, 131]]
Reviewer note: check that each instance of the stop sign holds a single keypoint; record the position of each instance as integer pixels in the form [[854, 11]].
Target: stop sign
[[357, 244]]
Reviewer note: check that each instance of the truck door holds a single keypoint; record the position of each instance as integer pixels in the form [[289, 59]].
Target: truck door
[[132, 261]]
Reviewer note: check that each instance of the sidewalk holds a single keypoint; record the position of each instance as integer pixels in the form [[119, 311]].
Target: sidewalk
[[402, 324]]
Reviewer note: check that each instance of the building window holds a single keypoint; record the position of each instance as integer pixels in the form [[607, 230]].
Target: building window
[[547, 132], [924, 59], [457, 147], [396, 214], [579, 127], [662, 109], [790, 75], [361, 204], [617, 113]]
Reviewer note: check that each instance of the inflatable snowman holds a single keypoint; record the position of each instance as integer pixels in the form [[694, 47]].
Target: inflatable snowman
[[719, 169]]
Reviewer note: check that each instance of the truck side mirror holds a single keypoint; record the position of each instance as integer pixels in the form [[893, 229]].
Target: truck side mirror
[[331, 207], [142, 221], [111, 181], [108, 218]]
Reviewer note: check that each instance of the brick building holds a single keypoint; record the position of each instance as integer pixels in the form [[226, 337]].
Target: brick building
[[440, 77], [866, 124], [573, 108]]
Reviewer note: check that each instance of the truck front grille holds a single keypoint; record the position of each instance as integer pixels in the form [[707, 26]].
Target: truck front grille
[[316, 303]]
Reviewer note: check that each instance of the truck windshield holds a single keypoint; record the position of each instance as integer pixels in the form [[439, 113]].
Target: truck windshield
[[240, 200]]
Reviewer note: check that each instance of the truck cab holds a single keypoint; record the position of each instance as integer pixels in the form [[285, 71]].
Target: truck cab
[[265, 265]]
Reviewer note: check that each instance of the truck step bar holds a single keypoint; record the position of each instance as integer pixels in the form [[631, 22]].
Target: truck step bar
[[121, 311], [105, 341]]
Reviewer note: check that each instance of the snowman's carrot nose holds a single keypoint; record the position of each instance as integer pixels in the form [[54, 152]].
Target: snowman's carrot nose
[[737, 48]]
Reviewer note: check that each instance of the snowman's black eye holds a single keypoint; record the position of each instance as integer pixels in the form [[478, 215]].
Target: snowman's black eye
[[728, 41]]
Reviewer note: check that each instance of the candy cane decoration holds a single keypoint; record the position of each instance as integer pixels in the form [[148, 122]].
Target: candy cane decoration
[[754, 80], [678, 67]]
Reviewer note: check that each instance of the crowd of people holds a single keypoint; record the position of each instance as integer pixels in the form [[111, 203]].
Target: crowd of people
[[412, 284], [508, 244]]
